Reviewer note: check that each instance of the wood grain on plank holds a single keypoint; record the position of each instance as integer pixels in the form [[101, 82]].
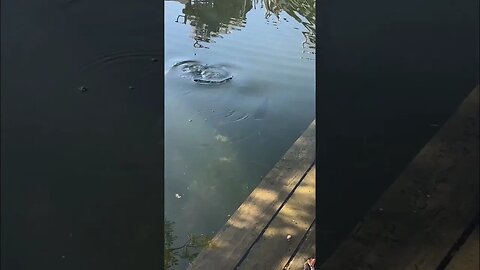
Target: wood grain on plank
[[243, 228], [273, 250], [422, 214], [305, 251]]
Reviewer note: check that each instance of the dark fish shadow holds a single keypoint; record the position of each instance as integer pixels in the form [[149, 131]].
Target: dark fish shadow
[[261, 111]]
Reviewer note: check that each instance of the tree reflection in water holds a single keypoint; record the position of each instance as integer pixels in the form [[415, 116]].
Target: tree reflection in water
[[303, 11], [187, 251], [213, 18]]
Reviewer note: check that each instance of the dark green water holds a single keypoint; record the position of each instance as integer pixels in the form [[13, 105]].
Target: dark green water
[[221, 139], [81, 171]]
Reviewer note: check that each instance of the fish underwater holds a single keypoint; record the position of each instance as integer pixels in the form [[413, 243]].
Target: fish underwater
[[220, 104]]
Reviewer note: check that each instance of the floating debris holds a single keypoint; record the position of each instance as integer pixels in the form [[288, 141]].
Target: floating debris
[[221, 138], [225, 159], [289, 237], [154, 59], [190, 120], [178, 196], [131, 87]]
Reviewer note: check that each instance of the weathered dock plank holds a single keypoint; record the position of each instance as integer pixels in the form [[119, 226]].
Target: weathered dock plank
[[467, 257], [305, 251], [273, 250], [422, 214], [240, 232]]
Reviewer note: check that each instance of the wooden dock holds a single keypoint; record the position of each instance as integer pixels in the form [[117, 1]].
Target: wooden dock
[[275, 226], [466, 257], [421, 219], [426, 220]]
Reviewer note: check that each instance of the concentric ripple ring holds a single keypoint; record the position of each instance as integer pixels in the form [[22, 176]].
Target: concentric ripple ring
[[202, 73]]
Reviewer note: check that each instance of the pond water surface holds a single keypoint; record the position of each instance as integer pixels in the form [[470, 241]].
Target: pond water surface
[[223, 136]]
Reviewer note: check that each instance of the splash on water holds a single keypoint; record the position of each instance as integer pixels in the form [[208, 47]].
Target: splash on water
[[203, 73]]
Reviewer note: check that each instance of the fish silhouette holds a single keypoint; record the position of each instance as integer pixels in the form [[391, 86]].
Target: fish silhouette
[[261, 111]]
